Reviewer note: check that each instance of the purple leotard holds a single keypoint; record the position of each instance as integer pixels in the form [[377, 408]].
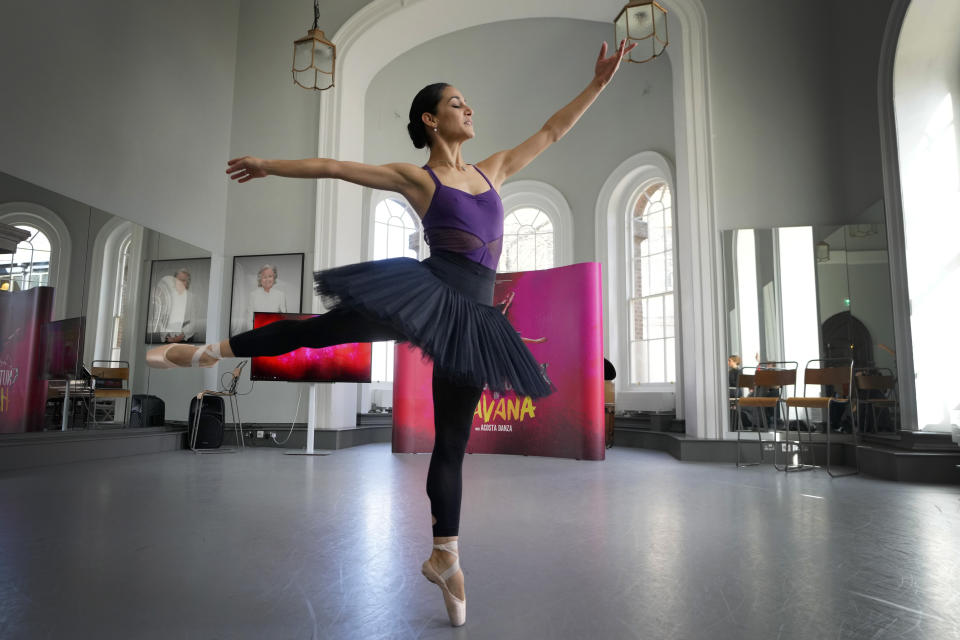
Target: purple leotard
[[471, 225]]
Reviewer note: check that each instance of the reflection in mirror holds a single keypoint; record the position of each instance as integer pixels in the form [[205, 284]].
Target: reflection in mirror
[[74, 305], [805, 293]]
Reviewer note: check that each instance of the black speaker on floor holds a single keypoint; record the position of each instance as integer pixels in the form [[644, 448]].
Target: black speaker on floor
[[147, 411], [210, 429]]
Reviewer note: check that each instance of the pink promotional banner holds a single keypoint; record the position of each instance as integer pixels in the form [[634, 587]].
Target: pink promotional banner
[[23, 392], [558, 314]]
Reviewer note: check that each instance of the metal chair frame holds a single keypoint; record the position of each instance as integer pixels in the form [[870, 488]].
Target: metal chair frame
[[878, 379], [231, 394], [835, 372], [778, 374]]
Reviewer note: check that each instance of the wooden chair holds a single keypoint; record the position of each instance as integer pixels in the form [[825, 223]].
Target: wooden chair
[[876, 388], [838, 374], [768, 385], [110, 380]]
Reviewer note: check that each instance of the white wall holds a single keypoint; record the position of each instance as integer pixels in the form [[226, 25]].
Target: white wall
[[856, 28], [125, 106], [795, 110], [515, 75]]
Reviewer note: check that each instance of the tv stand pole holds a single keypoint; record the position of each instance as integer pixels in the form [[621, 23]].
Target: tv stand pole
[[308, 451], [66, 405]]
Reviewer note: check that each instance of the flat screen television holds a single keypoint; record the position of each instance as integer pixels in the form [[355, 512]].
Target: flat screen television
[[340, 363], [64, 348]]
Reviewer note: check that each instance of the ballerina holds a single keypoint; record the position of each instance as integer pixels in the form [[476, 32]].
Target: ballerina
[[444, 304]]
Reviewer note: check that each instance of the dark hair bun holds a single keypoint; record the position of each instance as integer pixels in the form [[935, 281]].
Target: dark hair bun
[[425, 101], [418, 133]]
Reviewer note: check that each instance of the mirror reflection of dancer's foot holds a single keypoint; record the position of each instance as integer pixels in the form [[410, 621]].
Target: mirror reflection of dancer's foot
[[444, 304]]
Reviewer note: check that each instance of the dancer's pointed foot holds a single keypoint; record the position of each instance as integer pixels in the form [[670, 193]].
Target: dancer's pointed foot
[[183, 355], [443, 569]]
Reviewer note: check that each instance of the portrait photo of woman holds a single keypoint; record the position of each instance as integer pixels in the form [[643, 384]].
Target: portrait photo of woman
[[269, 283]]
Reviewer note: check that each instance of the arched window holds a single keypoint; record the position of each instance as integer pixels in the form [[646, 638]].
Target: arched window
[[49, 265], [29, 267], [121, 296], [651, 304], [397, 233], [528, 240]]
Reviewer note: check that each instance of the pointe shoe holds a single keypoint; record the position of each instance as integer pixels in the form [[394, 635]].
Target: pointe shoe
[[158, 358], [456, 608]]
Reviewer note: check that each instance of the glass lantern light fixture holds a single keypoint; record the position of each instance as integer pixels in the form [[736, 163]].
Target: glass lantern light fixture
[[644, 23], [821, 251], [314, 58]]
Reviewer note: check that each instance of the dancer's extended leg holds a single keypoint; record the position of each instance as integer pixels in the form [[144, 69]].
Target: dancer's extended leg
[[339, 326]]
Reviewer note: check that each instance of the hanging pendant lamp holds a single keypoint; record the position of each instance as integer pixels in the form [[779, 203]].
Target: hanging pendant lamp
[[644, 23], [314, 58]]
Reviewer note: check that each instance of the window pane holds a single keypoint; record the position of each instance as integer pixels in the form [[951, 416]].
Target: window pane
[[638, 374], [544, 250], [653, 317], [668, 324], [636, 319], [542, 224], [671, 356], [657, 362], [645, 276], [657, 275], [655, 230], [508, 256], [527, 252]]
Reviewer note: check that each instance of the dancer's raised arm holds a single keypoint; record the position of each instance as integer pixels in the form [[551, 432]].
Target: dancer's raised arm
[[504, 164], [404, 178]]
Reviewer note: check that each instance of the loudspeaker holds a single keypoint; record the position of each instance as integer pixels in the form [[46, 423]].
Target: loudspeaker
[[210, 429], [147, 411]]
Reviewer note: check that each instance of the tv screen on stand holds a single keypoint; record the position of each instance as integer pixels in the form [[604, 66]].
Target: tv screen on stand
[[64, 348], [339, 363]]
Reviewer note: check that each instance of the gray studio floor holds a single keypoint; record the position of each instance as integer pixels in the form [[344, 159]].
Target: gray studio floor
[[263, 545]]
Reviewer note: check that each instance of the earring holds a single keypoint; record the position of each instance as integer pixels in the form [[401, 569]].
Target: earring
[[434, 129]]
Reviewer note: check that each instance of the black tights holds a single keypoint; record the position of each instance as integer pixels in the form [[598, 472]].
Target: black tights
[[453, 404]]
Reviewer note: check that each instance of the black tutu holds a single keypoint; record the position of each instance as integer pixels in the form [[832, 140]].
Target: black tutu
[[444, 306]]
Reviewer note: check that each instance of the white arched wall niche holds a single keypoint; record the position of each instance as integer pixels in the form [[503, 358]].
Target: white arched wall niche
[[384, 29], [534, 193], [612, 237], [52, 225]]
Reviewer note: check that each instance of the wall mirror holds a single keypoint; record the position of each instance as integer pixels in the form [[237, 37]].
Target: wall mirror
[[113, 286], [814, 292]]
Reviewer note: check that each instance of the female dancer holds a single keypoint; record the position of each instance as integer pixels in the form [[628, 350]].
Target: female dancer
[[443, 304]]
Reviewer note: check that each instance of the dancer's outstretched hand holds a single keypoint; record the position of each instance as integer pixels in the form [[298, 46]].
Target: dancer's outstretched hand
[[606, 67], [246, 168]]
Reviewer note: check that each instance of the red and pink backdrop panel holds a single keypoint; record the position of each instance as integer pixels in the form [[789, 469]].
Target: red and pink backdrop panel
[[23, 391], [558, 313]]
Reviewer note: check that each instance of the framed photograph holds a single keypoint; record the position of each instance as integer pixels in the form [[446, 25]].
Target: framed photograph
[[178, 301], [269, 283]]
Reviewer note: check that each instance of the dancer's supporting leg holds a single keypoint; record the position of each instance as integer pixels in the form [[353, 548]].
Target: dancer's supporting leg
[[339, 326], [453, 407]]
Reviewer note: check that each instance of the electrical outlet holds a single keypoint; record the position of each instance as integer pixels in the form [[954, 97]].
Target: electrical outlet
[[259, 434], [273, 435]]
